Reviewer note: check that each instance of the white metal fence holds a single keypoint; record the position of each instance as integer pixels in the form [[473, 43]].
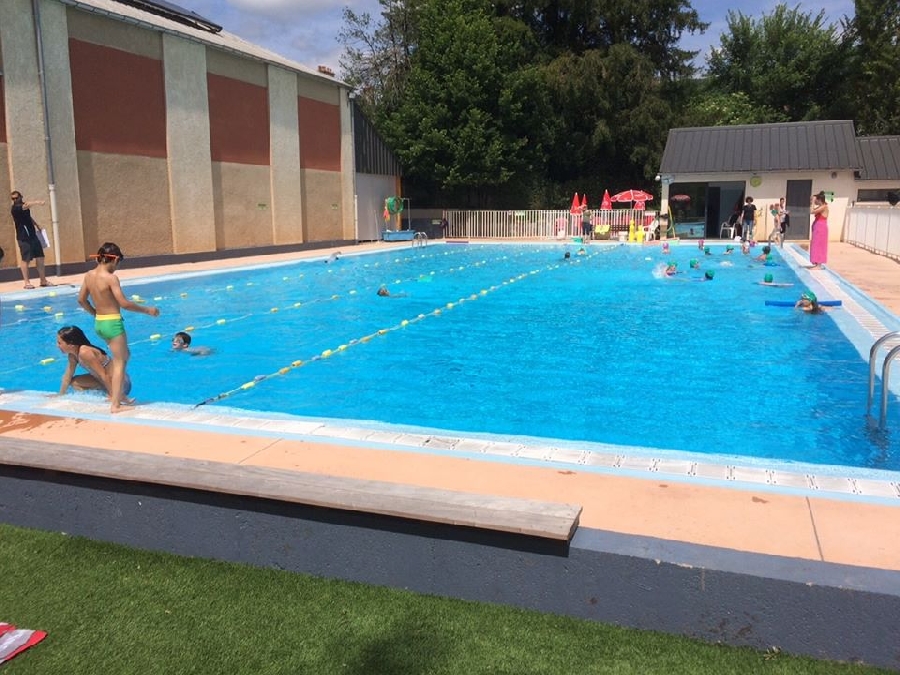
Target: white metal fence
[[875, 228], [543, 224]]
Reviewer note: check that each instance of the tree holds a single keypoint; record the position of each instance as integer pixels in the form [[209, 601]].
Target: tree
[[471, 117], [789, 64], [874, 40], [376, 59]]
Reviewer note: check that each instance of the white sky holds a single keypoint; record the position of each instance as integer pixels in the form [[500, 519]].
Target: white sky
[[306, 30]]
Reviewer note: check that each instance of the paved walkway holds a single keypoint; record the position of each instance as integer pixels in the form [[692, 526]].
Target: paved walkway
[[790, 523]]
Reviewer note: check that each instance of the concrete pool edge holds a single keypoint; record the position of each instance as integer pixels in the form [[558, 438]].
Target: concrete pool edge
[[819, 609]]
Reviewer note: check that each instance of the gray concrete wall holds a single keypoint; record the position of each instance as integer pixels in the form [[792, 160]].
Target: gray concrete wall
[[801, 606], [287, 196], [190, 201]]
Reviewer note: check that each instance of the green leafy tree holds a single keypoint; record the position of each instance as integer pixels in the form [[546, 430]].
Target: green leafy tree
[[789, 64], [471, 118], [874, 40]]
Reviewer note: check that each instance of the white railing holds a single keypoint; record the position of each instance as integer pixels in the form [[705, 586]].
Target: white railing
[[874, 228], [542, 224]]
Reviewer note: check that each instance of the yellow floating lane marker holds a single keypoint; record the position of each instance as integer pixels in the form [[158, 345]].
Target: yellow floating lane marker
[[404, 322], [274, 309], [48, 308], [184, 295], [44, 362], [220, 321], [58, 315], [188, 329], [20, 308], [326, 353], [157, 298], [52, 294], [135, 297], [229, 287], [155, 336], [296, 364]]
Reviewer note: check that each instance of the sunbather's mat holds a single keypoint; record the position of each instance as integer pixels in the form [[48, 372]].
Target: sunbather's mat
[[16, 640]]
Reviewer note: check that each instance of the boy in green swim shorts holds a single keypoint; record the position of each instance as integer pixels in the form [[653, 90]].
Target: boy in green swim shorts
[[102, 297]]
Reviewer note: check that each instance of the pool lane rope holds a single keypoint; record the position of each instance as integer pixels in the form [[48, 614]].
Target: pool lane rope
[[328, 353], [156, 337]]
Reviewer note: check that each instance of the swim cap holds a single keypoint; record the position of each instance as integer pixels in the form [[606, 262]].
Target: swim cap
[[768, 278], [729, 248], [709, 274], [694, 262], [706, 250], [809, 295], [673, 263]]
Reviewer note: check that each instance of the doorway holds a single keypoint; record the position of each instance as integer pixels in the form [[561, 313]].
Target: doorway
[[796, 201]]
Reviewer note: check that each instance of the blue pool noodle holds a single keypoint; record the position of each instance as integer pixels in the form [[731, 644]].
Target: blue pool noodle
[[791, 303]]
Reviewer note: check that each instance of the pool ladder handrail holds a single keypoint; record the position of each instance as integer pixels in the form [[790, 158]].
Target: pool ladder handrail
[[885, 374], [420, 239]]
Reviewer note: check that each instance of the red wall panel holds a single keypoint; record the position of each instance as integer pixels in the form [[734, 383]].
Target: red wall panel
[[238, 121], [320, 135], [119, 101]]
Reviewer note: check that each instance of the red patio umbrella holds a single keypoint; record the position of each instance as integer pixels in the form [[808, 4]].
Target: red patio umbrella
[[607, 201], [576, 206], [632, 196], [584, 202]]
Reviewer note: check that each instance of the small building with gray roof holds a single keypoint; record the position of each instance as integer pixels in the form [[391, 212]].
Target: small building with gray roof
[[707, 172]]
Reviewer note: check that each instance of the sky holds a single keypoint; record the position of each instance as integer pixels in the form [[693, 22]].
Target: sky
[[306, 31]]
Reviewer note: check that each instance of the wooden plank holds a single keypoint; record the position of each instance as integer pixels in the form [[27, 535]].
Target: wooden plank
[[535, 518]]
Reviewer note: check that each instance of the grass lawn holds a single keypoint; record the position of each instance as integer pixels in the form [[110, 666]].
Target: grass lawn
[[112, 610]]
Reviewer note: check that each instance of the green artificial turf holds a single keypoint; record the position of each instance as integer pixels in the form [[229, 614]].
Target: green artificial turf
[[112, 610]]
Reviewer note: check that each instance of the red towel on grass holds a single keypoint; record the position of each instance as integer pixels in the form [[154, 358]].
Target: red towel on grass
[[15, 640]]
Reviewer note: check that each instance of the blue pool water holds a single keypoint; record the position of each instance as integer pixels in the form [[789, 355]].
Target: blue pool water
[[501, 339]]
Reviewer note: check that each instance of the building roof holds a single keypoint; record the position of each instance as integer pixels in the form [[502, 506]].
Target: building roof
[[224, 40], [788, 146], [880, 157]]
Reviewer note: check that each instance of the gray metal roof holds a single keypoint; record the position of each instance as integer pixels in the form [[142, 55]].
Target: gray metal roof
[[788, 146], [223, 39], [880, 157]]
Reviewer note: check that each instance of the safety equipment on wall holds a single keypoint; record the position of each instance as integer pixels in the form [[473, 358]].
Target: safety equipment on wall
[[393, 205]]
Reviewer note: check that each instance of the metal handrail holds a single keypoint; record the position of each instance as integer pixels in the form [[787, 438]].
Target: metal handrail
[[420, 239], [886, 369], [885, 389]]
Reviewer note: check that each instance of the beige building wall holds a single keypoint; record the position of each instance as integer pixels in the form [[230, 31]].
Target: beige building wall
[[241, 194], [286, 177], [322, 198], [125, 200], [183, 202], [191, 212]]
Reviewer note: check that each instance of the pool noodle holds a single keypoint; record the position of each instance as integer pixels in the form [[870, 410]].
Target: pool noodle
[[791, 303]]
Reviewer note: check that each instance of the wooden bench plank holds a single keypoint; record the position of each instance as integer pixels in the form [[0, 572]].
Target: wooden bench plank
[[535, 518]]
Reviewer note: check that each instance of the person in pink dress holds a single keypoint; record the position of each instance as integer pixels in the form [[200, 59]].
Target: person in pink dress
[[818, 240]]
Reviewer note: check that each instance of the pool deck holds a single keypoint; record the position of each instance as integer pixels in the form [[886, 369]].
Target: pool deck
[[793, 521]]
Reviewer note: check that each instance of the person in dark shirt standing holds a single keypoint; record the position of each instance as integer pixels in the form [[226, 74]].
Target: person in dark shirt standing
[[748, 219], [27, 237]]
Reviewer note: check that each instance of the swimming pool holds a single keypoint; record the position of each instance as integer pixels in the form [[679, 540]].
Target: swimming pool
[[505, 340]]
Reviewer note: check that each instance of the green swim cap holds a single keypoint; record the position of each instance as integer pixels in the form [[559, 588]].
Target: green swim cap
[[706, 249], [768, 278], [694, 262], [729, 248], [673, 263], [809, 295], [709, 274]]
